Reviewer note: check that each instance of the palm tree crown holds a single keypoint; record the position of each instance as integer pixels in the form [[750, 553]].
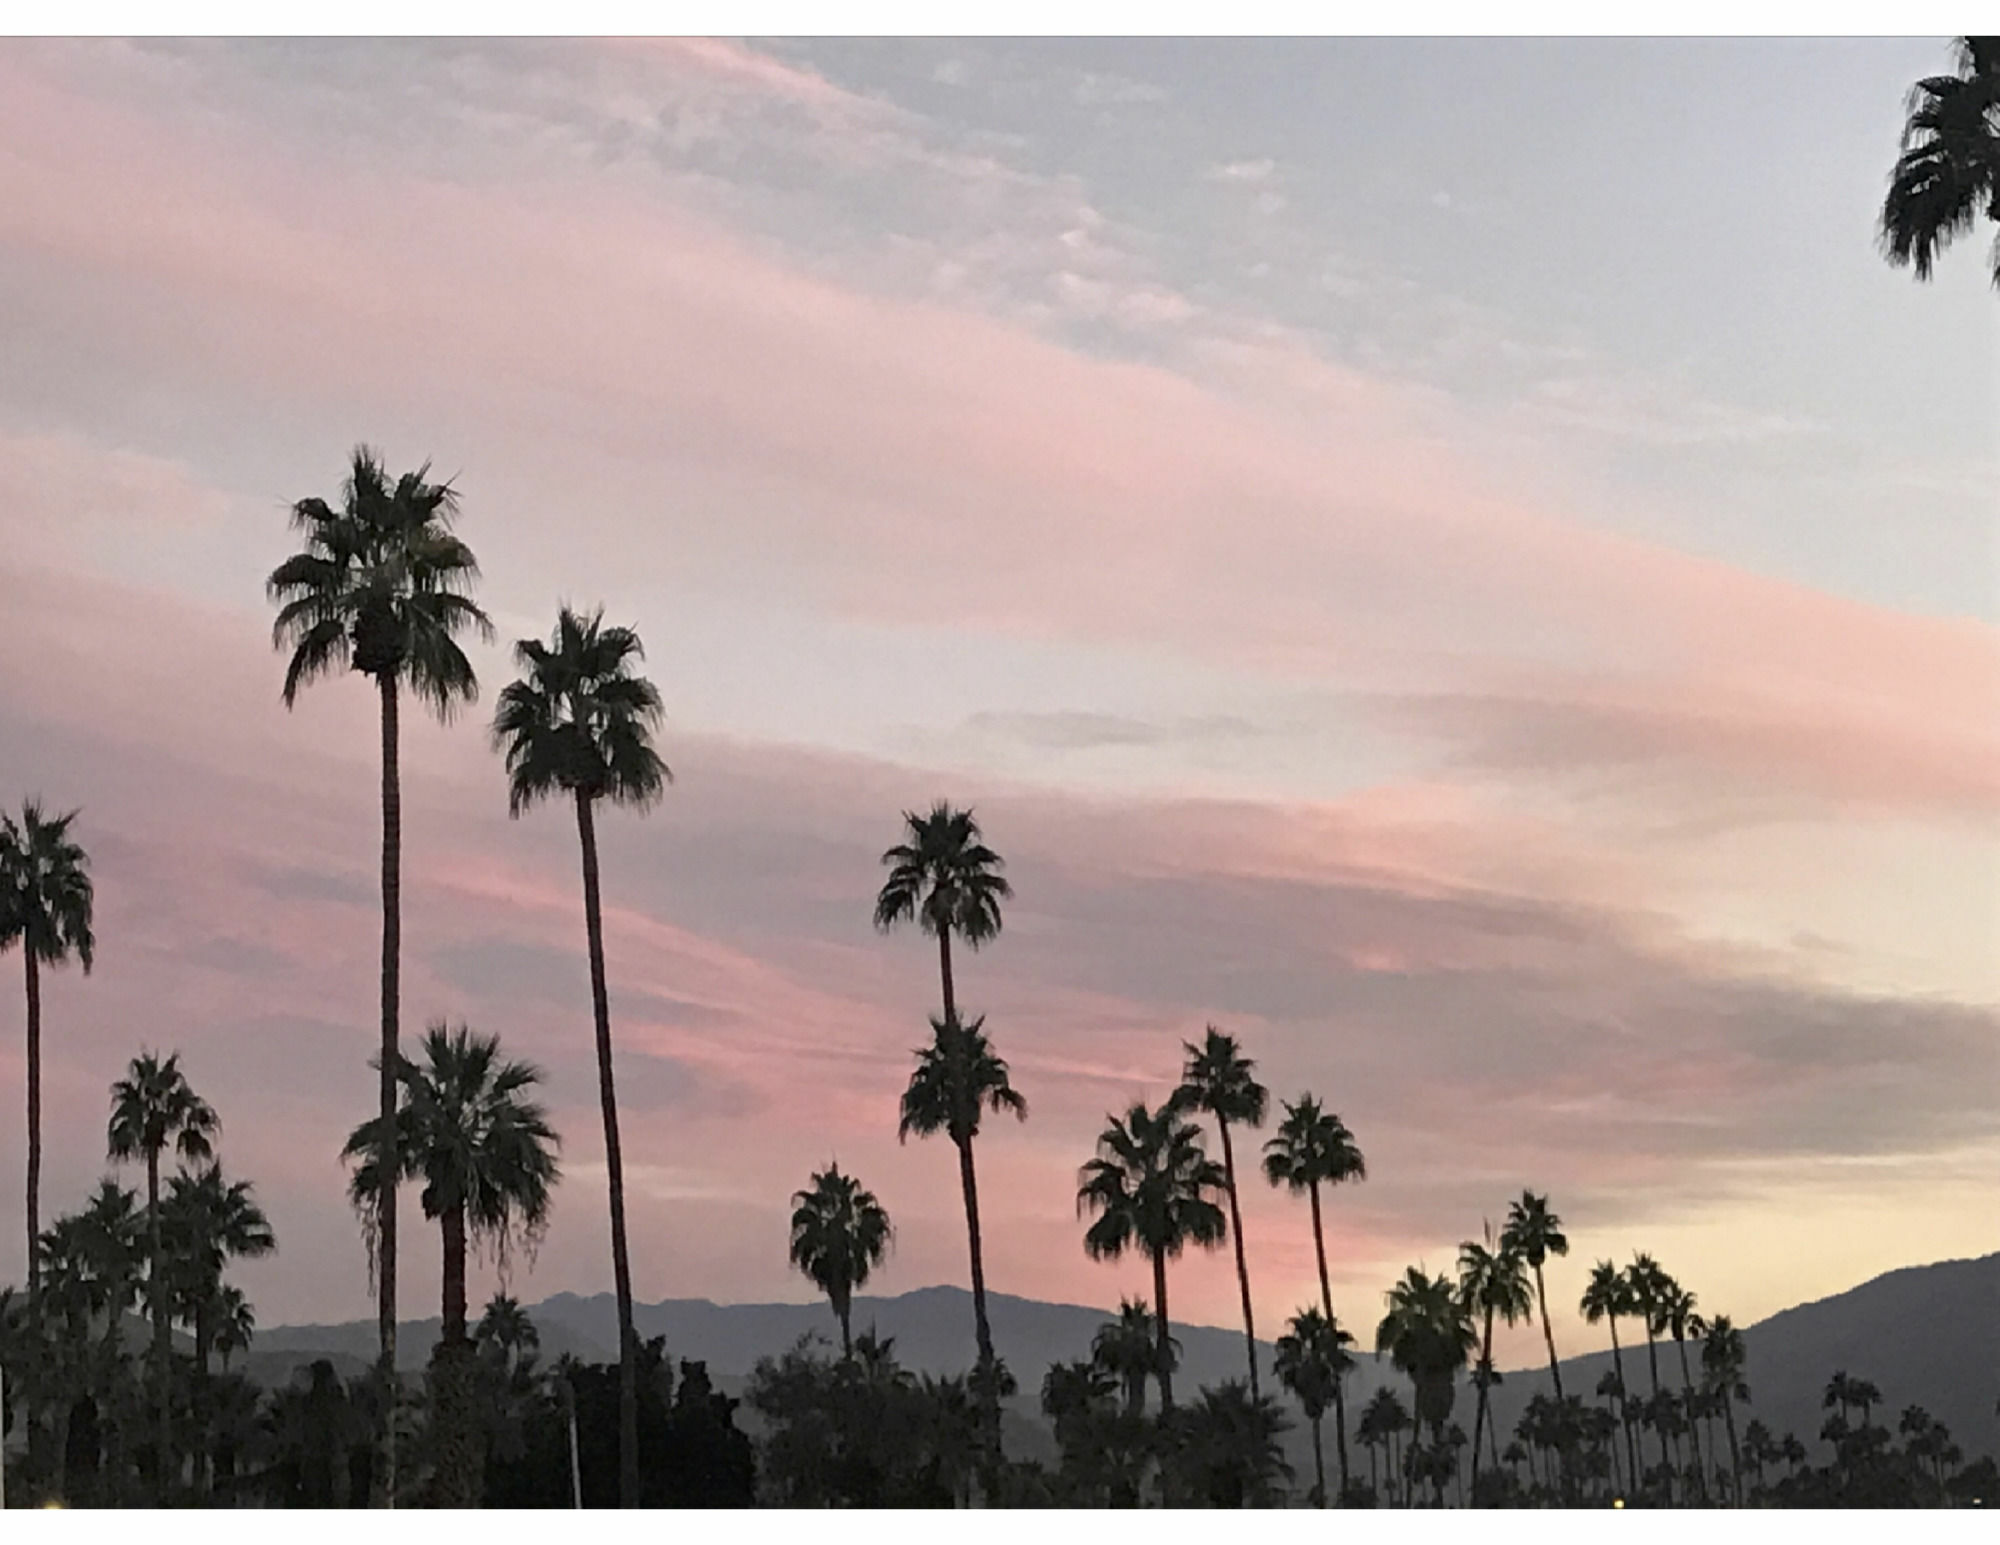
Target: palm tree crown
[[1428, 1335], [1949, 172], [1311, 1360], [1312, 1147], [1219, 1080], [944, 877], [958, 1077], [154, 1109], [839, 1234], [45, 888], [581, 720]]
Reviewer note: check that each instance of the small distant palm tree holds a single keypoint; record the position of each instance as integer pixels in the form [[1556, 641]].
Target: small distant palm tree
[[1646, 1286], [1152, 1187], [1492, 1282], [1948, 175], [1534, 1233], [153, 1109], [45, 907], [945, 877], [1220, 1081], [382, 588], [207, 1222], [1225, 1448], [1428, 1335], [1723, 1357], [1678, 1305], [506, 1327], [484, 1150], [1606, 1297], [580, 722], [1312, 1359], [1383, 1421], [839, 1235], [1128, 1348], [958, 1077]]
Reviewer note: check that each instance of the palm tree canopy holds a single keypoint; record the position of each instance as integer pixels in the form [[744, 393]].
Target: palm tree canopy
[[467, 1129], [1383, 1416], [839, 1233], [1723, 1357], [1948, 174], [581, 719], [1218, 1079], [1606, 1295], [1312, 1147], [943, 876], [1151, 1185], [153, 1108], [208, 1221], [505, 1324], [1428, 1334], [1129, 1346], [380, 587], [1312, 1359], [1495, 1280], [45, 889], [957, 1078], [1533, 1231]]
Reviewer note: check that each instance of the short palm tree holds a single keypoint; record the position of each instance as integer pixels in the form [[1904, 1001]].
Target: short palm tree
[[381, 588], [580, 723], [958, 1077], [1219, 1081], [1383, 1420], [839, 1234], [1128, 1348], [1493, 1283], [1534, 1233], [1312, 1359], [1152, 1187], [1606, 1297], [207, 1222], [468, 1129], [945, 877], [1428, 1335], [153, 1109], [1948, 175], [1723, 1358], [45, 907], [1225, 1449], [505, 1326], [1312, 1148]]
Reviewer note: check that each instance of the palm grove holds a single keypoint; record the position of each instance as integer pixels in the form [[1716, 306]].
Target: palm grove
[[117, 1351]]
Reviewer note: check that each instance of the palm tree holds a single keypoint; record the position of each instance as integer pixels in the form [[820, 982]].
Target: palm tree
[[839, 1234], [1645, 1283], [1491, 1282], [1220, 1081], [505, 1326], [1151, 1186], [1605, 1297], [1225, 1447], [1428, 1335], [958, 1077], [1535, 1233], [1312, 1359], [1383, 1419], [154, 1109], [45, 907], [486, 1156], [948, 880], [1678, 1307], [580, 722], [1128, 1348], [1949, 172], [1313, 1148], [381, 588], [1722, 1361]]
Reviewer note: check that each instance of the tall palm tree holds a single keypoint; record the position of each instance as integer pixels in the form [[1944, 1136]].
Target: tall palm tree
[[945, 877], [1723, 1358], [1677, 1306], [958, 1077], [1221, 1082], [381, 588], [153, 1109], [1428, 1335], [1534, 1232], [468, 1129], [1128, 1348], [1492, 1282], [1312, 1359], [45, 907], [1646, 1283], [580, 722], [1949, 172], [839, 1234], [1607, 1296], [1152, 1187], [1312, 1148]]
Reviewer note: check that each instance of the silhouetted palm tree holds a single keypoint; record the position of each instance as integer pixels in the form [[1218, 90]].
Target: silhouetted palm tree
[[1225, 1449], [506, 1327], [1428, 1335], [1128, 1348], [1383, 1420], [1678, 1308], [839, 1234], [485, 1153], [1492, 1282], [1646, 1284], [45, 907], [381, 588], [1722, 1361], [1312, 1148], [958, 1077], [154, 1109], [580, 723], [948, 880], [1221, 1082], [1151, 1186], [1606, 1297], [1535, 1233], [1312, 1359], [1949, 172]]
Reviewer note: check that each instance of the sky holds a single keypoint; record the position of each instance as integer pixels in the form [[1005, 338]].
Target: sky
[[1457, 563]]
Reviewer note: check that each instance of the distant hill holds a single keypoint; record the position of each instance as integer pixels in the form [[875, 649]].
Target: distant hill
[[1926, 1335]]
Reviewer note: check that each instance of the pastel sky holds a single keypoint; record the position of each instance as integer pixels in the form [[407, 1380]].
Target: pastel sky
[[1456, 562]]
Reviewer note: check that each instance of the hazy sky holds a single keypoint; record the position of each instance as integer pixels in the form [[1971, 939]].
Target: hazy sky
[[1456, 562]]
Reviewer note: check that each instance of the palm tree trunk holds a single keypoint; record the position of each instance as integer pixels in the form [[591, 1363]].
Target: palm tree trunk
[[944, 974], [1548, 1334], [455, 1481], [1374, 1469], [1242, 1266], [162, 1345], [1340, 1432], [621, 1266], [846, 1313], [32, 1417], [1485, 1376], [1735, 1456], [1653, 1364], [1326, 1305], [1624, 1408], [1694, 1435], [1164, 1353], [452, 1226], [969, 1184], [391, 1165], [1319, 1462], [1319, 1249]]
